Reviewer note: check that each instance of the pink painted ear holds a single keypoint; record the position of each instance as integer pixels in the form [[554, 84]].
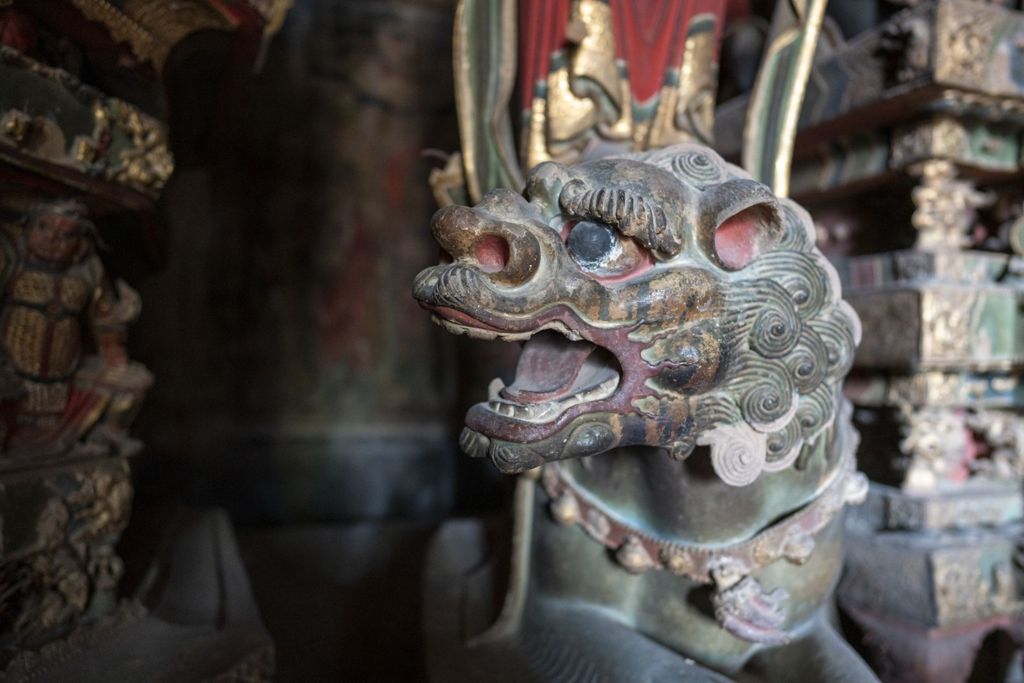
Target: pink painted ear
[[739, 240]]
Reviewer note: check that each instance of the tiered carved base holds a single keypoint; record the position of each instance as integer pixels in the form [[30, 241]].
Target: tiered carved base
[[931, 559], [926, 589], [905, 653]]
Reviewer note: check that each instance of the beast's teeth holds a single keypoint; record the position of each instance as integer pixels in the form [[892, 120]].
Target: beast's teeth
[[604, 389], [535, 413], [453, 328], [548, 410], [514, 336], [475, 333]]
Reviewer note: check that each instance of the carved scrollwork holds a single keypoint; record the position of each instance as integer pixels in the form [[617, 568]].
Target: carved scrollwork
[[783, 447], [51, 581], [944, 206], [965, 591], [964, 40], [1002, 431], [934, 443], [775, 331], [111, 139]]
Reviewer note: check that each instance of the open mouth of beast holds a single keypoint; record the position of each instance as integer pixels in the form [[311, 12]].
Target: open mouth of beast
[[558, 372], [554, 374]]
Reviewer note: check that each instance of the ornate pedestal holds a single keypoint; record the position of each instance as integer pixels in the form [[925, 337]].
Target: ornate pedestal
[[927, 596], [61, 523], [194, 620]]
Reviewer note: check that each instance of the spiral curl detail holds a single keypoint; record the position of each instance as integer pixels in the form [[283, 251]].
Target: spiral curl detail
[[765, 405], [815, 410], [783, 447], [696, 166], [808, 362], [801, 275], [776, 330], [737, 453]]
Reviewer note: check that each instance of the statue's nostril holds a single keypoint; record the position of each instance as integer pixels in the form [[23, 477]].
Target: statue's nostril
[[444, 258], [491, 253]]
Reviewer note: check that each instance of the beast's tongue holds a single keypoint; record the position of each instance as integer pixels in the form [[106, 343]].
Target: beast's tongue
[[548, 368]]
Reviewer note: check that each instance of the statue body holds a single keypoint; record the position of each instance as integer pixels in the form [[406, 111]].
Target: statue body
[[676, 412]]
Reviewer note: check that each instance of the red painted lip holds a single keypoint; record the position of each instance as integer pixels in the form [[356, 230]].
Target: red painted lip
[[520, 327], [460, 317]]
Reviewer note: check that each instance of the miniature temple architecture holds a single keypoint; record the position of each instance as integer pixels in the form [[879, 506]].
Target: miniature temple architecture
[[909, 158]]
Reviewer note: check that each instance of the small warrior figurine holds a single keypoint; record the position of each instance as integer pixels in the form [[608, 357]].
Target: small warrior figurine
[[55, 288]]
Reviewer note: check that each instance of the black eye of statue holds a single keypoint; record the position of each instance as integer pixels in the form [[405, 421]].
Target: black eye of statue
[[592, 243]]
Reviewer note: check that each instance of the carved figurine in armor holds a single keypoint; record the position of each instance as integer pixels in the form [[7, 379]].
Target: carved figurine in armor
[[676, 415], [55, 293]]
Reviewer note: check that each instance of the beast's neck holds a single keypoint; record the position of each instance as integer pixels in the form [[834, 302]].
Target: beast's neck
[[694, 558], [686, 502]]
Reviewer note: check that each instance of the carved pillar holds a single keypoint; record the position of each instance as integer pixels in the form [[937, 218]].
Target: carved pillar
[[86, 102], [68, 391]]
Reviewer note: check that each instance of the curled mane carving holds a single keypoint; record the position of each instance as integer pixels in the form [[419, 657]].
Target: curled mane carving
[[790, 336]]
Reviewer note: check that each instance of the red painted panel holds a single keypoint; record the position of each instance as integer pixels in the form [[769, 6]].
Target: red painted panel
[[541, 31]]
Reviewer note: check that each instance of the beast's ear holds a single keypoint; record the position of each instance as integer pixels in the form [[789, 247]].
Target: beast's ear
[[744, 236], [740, 222]]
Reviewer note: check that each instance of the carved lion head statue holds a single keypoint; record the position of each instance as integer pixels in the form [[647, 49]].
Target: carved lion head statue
[[663, 299]]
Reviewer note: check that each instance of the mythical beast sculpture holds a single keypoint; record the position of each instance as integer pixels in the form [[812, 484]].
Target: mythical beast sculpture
[[678, 398]]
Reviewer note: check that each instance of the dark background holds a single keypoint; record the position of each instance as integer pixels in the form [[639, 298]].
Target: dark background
[[299, 386]]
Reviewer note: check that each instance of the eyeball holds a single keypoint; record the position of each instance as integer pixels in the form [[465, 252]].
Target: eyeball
[[591, 244], [602, 251]]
